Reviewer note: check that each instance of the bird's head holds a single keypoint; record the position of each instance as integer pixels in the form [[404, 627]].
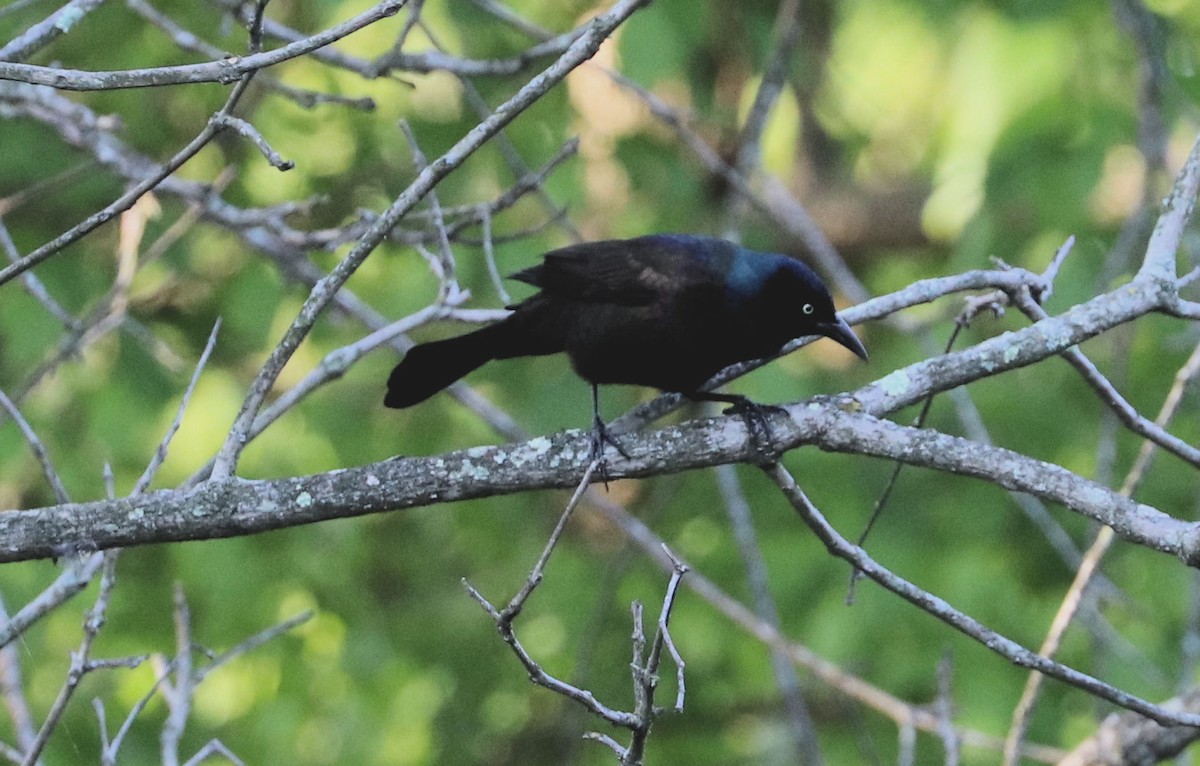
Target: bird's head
[[797, 299]]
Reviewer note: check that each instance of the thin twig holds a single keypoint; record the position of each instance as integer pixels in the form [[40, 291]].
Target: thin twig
[[13, 693], [905, 715], [132, 195], [539, 676], [225, 70], [178, 694], [945, 710], [81, 662], [1001, 645], [37, 448], [785, 39], [513, 609], [918, 422], [160, 454], [210, 748], [253, 642], [188, 41], [1089, 567], [48, 30], [740, 520], [444, 266], [162, 678], [248, 131]]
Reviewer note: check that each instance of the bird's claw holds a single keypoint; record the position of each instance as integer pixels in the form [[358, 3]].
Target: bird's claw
[[755, 415], [601, 436]]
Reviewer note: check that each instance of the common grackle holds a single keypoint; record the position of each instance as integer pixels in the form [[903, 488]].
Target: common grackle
[[666, 310]]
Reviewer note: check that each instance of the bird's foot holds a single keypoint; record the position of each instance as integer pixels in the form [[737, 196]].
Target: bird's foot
[[601, 436], [758, 425]]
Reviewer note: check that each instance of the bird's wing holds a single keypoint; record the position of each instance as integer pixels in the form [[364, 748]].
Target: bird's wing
[[625, 272]]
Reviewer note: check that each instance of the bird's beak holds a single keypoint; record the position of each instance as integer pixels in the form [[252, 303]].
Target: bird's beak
[[841, 332]]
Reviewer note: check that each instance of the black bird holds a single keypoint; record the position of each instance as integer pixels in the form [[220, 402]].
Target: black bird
[[666, 310]]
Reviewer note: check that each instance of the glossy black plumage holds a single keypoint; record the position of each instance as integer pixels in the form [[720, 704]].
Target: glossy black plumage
[[667, 311]]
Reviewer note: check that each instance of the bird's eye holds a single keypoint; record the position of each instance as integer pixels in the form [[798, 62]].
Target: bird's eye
[[807, 308]]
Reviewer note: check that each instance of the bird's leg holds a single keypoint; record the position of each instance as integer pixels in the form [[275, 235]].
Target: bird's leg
[[752, 412], [601, 437]]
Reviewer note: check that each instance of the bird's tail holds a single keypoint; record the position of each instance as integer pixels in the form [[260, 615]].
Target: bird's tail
[[430, 367]]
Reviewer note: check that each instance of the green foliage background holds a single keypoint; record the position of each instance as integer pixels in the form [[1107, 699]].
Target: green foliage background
[[991, 129]]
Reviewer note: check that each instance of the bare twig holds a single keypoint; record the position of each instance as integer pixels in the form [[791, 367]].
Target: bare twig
[[644, 666], [539, 676], [945, 710], [513, 609], [210, 748], [738, 510], [32, 284], [1159, 262], [37, 448], [1125, 412], [429, 61], [160, 454], [1005, 647], [48, 30], [1128, 738], [132, 195], [81, 662], [785, 39], [1090, 565], [13, 694], [905, 715], [225, 70], [187, 41], [178, 694], [252, 643], [178, 707], [444, 267], [108, 757], [250, 132]]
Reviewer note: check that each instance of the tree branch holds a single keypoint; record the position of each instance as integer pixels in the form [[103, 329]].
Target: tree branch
[[226, 70], [236, 507]]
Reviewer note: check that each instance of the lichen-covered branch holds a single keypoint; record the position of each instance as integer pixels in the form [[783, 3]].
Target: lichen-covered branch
[[236, 507]]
